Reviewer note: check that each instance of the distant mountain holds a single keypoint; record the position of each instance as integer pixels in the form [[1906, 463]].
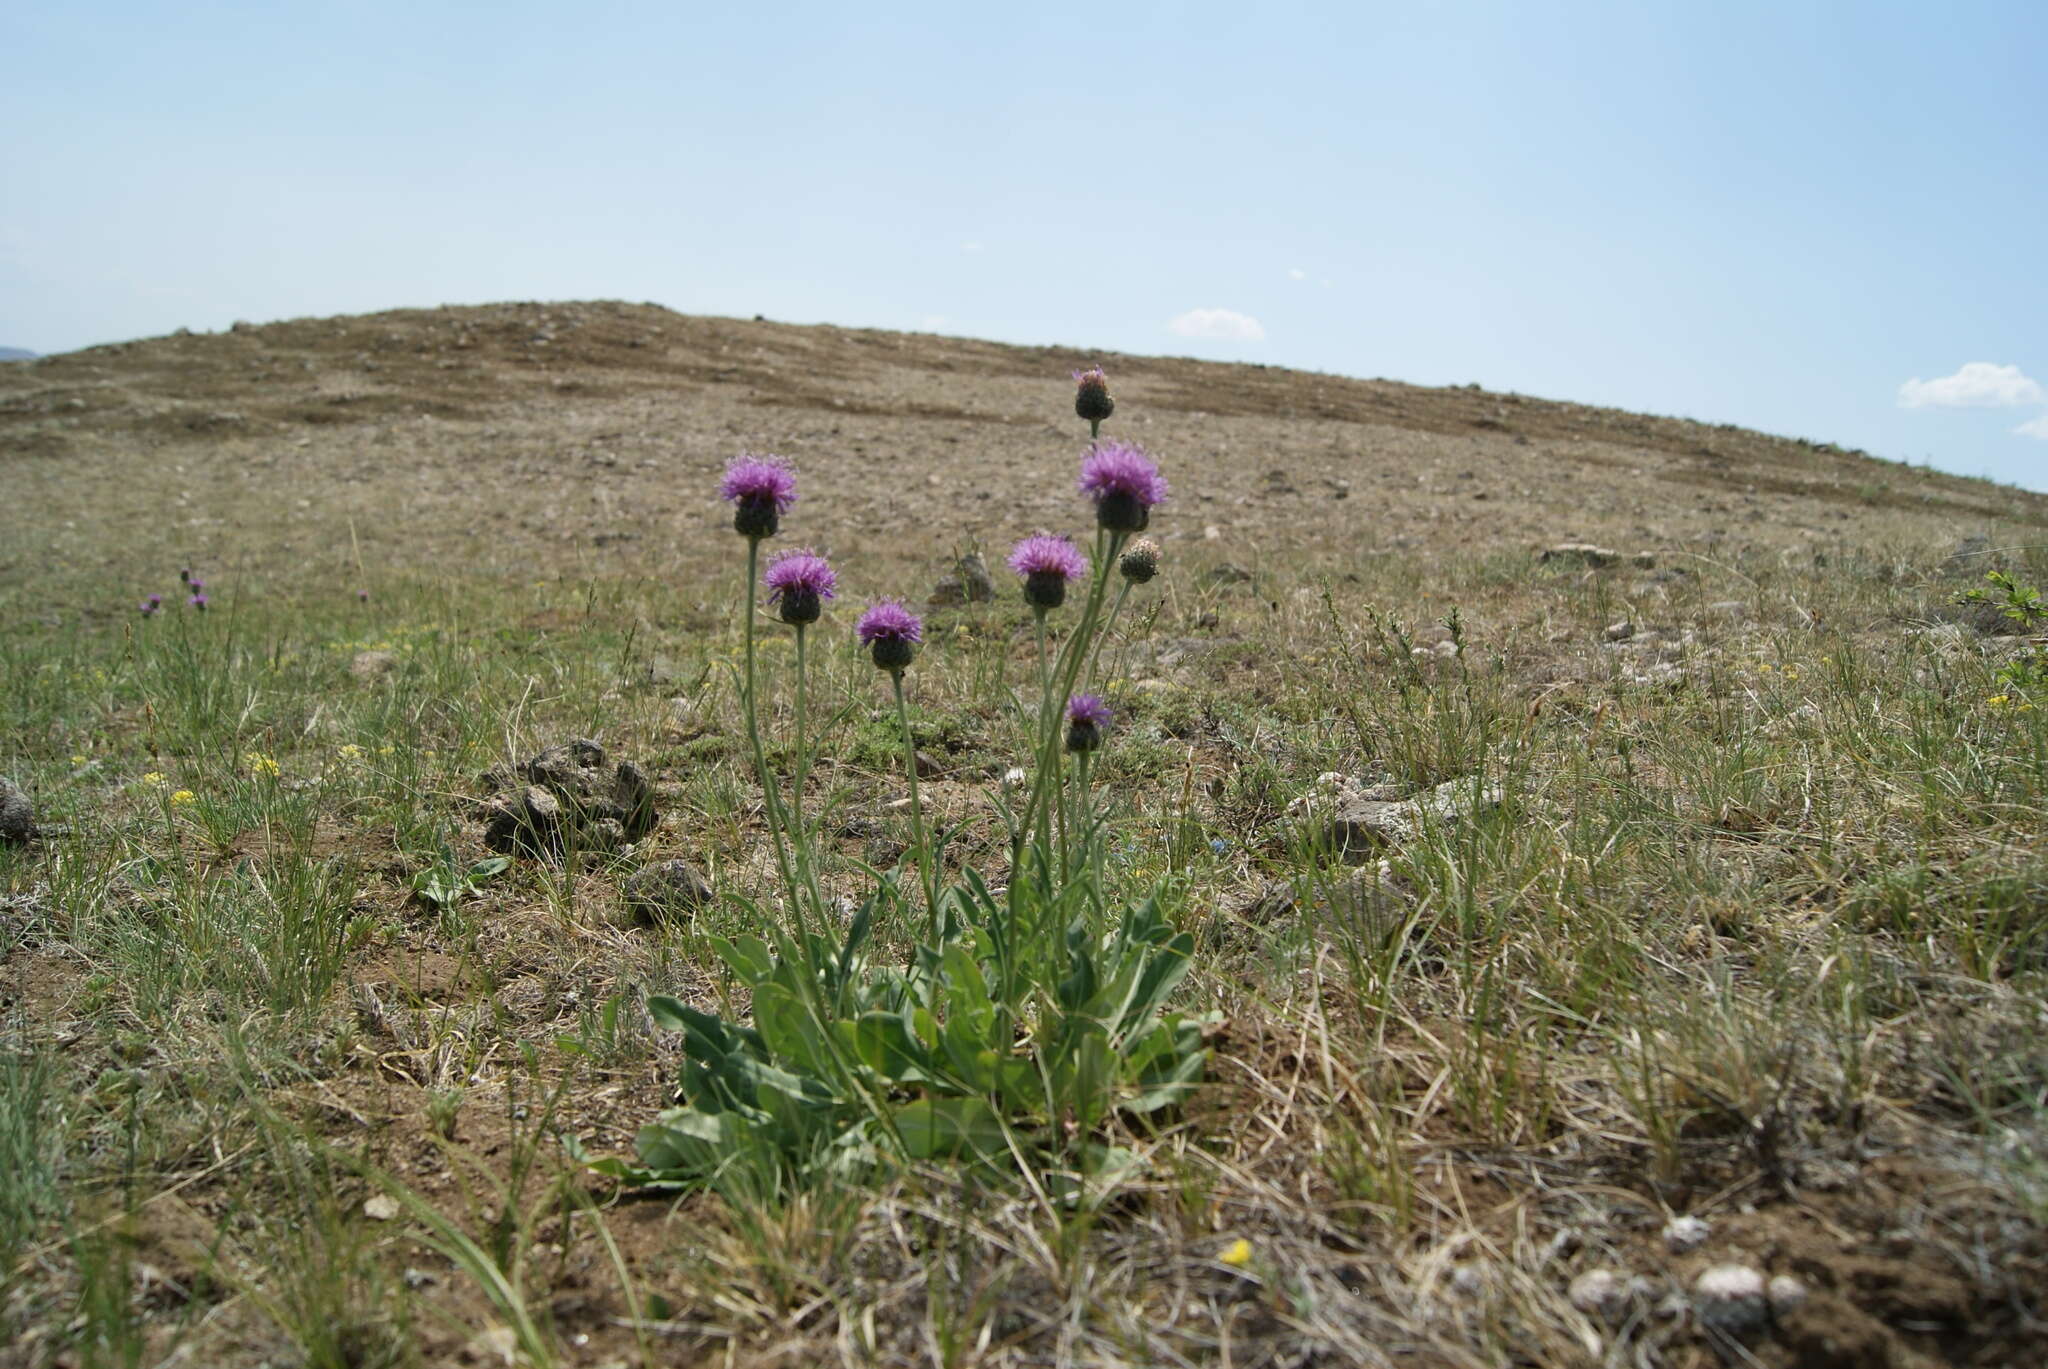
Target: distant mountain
[[16, 354]]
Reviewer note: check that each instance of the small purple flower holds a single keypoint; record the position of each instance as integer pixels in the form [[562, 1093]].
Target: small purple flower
[[198, 601], [1124, 483], [799, 581], [891, 633], [1047, 562], [196, 584], [1091, 397], [152, 603], [760, 489], [362, 596], [1087, 716]]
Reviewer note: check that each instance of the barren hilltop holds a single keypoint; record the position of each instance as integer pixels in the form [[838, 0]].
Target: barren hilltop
[[512, 435]]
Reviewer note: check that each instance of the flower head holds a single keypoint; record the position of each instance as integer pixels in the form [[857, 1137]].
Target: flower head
[[1124, 483], [198, 601], [1047, 562], [1140, 561], [890, 632], [152, 603], [184, 798], [1087, 715], [1237, 1254], [799, 581], [760, 489], [1091, 397]]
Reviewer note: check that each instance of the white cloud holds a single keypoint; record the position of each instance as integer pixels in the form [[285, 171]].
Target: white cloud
[[2035, 427], [1978, 385], [1226, 324], [1296, 273], [970, 245]]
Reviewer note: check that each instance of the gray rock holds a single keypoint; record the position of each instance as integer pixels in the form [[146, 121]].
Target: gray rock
[[1682, 1234], [969, 583], [17, 819], [1785, 1294], [528, 823], [1581, 554], [1731, 1299], [1602, 1294], [567, 796], [1620, 630], [1362, 827], [665, 891]]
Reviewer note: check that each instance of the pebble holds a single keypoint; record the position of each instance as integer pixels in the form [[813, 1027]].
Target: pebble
[[1731, 1299], [1785, 1293], [1685, 1233], [1620, 630]]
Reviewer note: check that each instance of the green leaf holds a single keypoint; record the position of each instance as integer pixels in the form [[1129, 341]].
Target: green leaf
[[935, 1128]]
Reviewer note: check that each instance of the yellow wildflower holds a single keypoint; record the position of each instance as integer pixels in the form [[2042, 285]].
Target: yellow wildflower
[[260, 764], [155, 779], [78, 759], [1998, 700], [184, 798], [1237, 1254], [351, 754]]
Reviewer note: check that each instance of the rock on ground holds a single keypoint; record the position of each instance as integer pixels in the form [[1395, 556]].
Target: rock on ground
[[17, 820], [566, 797]]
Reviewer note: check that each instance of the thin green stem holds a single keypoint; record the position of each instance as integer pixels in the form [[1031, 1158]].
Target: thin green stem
[[750, 710], [926, 878], [803, 757]]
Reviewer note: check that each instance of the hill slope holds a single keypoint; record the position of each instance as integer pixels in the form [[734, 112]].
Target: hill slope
[[517, 434]]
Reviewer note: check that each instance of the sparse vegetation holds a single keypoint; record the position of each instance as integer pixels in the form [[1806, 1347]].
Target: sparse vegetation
[[1715, 889]]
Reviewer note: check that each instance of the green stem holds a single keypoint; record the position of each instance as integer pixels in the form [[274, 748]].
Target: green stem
[[1108, 625], [751, 713], [802, 740], [926, 879]]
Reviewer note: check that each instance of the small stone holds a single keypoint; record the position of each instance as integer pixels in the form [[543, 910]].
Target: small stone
[[1643, 560], [1619, 630], [1786, 1294], [372, 665], [529, 822], [1600, 1293], [1362, 827], [1731, 1299], [380, 1208], [666, 890], [17, 819], [1581, 554], [1682, 1234], [975, 579], [928, 767]]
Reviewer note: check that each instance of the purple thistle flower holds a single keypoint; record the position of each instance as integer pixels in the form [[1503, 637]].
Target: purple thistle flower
[[185, 575], [1087, 716], [1047, 562], [1124, 483], [760, 489], [799, 581], [891, 633], [198, 601], [196, 584], [1091, 397]]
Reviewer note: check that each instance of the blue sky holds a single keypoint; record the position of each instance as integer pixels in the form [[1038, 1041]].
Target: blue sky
[[1776, 215]]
